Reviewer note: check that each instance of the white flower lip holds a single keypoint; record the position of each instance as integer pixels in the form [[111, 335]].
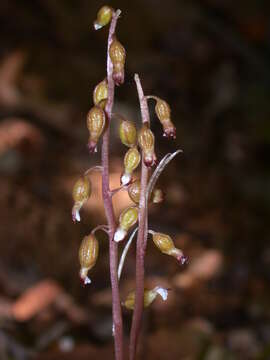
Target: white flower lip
[[119, 235], [162, 292], [87, 280], [125, 179]]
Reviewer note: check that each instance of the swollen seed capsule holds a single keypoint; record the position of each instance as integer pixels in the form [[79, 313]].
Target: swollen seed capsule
[[128, 133], [100, 94], [88, 254], [146, 140], [134, 191], [127, 219], [163, 113], [166, 246], [80, 193], [118, 56], [131, 161], [149, 297], [96, 119], [104, 16]]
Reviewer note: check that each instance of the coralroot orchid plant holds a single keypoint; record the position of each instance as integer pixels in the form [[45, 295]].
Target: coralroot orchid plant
[[142, 191]]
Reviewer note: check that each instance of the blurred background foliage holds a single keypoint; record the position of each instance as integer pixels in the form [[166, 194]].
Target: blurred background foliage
[[210, 60]]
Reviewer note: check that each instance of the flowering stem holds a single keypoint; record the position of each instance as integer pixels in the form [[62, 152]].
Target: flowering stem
[[141, 238], [108, 206]]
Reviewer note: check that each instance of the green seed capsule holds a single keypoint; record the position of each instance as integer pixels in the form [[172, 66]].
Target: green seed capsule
[[163, 113], [96, 119], [88, 254], [128, 133], [149, 297], [127, 219], [118, 57], [166, 246], [81, 193], [131, 161], [104, 16], [134, 191], [100, 94], [146, 140]]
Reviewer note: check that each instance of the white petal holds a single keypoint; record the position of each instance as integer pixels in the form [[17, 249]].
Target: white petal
[[162, 292], [87, 280], [125, 179], [119, 235]]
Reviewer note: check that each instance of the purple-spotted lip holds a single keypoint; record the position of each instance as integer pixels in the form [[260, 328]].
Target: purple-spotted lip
[[92, 147], [119, 77], [183, 260], [170, 133]]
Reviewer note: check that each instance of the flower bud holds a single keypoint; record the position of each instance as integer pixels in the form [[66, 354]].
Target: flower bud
[[146, 141], [131, 161], [80, 193], [88, 253], [166, 246], [163, 113], [118, 56], [127, 219], [104, 16], [157, 196], [100, 94], [149, 297], [96, 119], [128, 133], [134, 191]]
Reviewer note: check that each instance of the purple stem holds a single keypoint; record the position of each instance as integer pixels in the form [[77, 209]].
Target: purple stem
[[141, 238], [108, 206]]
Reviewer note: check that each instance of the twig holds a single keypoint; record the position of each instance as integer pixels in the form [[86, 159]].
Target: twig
[[108, 206], [124, 253], [141, 238]]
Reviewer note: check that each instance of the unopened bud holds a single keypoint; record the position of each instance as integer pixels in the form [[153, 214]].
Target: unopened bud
[[166, 246], [80, 193], [127, 219], [96, 119], [146, 141], [131, 161], [118, 56], [104, 16], [163, 112], [157, 196], [134, 190], [100, 94], [88, 254], [128, 133], [149, 297]]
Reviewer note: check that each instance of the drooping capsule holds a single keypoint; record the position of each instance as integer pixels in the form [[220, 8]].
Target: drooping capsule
[[80, 193], [131, 161], [88, 254], [128, 133], [100, 94], [134, 190], [96, 120], [166, 245], [146, 140], [163, 113], [104, 16], [127, 219], [149, 297], [117, 54]]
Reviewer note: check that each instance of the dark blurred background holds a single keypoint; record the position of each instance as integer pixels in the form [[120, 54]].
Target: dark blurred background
[[210, 60]]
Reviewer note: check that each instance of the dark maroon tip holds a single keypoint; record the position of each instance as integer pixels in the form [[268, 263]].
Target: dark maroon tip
[[119, 78], [170, 133], [92, 147], [183, 260]]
